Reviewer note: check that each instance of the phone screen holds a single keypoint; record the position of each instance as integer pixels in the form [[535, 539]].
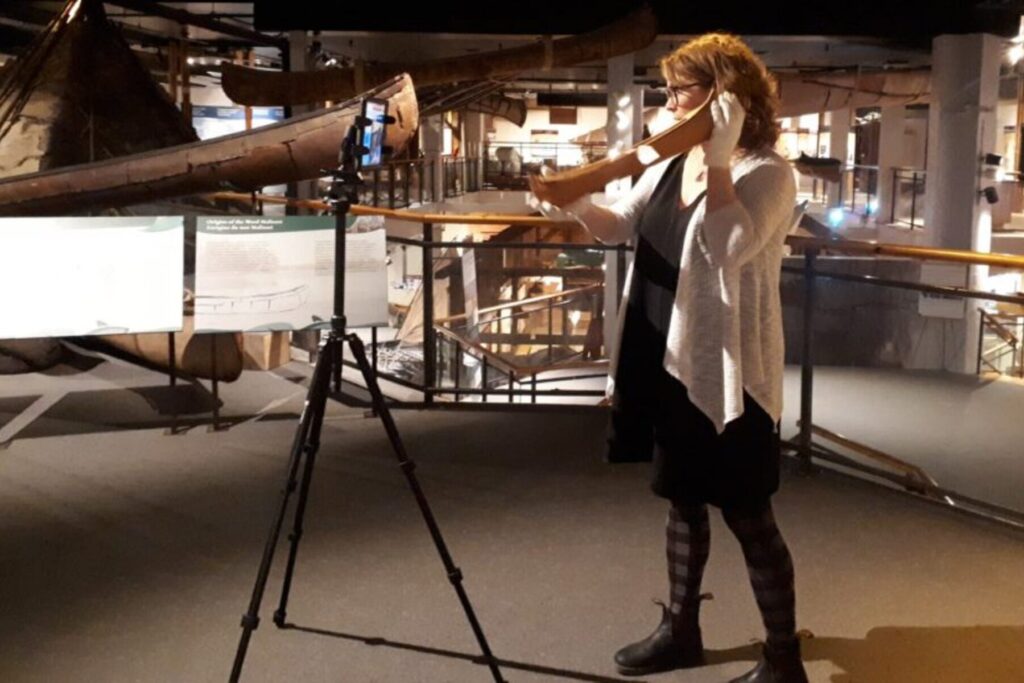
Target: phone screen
[[373, 134]]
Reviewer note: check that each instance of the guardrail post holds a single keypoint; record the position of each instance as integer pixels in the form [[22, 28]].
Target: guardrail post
[[484, 382], [405, 181], [913, 201], [391, 185], [422, 177], [807, 362], [981, 339], [895, 194], [551, 332], [429, 347]]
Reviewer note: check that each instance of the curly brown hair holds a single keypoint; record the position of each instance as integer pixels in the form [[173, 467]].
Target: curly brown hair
[[723, 61]]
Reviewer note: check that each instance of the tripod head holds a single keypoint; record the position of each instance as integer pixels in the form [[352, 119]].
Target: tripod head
[[363, 146]]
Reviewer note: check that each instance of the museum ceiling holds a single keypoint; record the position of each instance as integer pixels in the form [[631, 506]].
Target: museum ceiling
[[790, 37]]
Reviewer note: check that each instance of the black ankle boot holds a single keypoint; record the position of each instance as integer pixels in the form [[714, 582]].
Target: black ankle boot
[[777, 665], [675, 644]]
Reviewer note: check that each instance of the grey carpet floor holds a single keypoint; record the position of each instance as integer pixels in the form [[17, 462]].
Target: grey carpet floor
[[129, 554]]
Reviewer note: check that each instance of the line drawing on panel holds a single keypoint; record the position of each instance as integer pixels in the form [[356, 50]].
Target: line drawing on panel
[[281, 301]]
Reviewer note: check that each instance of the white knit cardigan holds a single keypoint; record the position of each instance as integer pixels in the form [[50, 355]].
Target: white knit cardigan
[[725, 333]]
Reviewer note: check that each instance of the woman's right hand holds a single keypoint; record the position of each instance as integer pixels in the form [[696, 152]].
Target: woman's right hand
[[542, 190]]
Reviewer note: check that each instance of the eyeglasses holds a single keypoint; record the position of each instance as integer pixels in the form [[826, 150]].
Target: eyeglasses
[[673, 92]]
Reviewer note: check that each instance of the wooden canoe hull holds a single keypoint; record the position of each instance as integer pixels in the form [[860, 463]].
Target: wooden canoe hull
[[296, 149], [203, 356], [809, 94], [268, 88]]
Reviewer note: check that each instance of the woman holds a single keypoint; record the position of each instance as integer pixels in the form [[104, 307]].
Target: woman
[[697, 381]]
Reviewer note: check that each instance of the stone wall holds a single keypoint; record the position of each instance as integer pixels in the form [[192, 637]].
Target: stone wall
[[864, 325]]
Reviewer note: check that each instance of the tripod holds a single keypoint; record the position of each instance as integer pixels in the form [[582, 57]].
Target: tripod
[[344, 192]]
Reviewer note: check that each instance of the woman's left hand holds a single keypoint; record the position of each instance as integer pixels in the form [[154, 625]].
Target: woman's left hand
[[728, 115]]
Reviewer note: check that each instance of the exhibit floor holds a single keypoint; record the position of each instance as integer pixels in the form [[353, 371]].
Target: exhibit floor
[[128, 553]]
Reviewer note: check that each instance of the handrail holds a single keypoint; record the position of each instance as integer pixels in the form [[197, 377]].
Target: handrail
[[522, 302], [924, 482], [844, 246], [922, 253], [400, 214], [518, 370], [493, 359], [1001, 331]]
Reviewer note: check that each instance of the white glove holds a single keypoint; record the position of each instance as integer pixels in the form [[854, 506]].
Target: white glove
[[574, 210], [727, 114]]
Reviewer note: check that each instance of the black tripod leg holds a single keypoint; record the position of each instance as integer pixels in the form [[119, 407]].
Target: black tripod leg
[[316, 396], [319, 407], [407, 466]]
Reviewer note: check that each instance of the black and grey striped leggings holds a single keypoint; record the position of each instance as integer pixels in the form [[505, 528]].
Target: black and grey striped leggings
[[768, 563]]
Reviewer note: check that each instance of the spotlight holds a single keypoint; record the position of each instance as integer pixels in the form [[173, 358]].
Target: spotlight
[[835, 216]]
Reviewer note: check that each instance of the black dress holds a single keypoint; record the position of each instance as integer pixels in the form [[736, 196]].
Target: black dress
[[652, 416]]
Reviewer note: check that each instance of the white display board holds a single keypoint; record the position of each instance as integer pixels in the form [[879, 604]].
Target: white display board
[[64, 277], [258, 273], [942, 275]]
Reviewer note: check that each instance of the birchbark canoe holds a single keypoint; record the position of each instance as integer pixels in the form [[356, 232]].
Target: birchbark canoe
[[268, 88], [296, 149]]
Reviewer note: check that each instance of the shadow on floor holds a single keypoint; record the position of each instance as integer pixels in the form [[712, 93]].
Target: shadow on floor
[[178, 409], [893, 654], [504, 664], [907, 654]]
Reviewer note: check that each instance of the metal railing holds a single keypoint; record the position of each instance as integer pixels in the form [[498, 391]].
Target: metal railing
[[464, 358], [804, 446], [907, 201], [999, 343], [405, 183], [461, 175], [399, 184], [507, 164], [859, 182]]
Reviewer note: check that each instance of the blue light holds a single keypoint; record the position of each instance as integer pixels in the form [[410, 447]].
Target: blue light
[[872, 208], [835, 217]]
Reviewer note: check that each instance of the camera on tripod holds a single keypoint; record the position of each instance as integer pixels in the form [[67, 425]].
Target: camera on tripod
[[363, 147]]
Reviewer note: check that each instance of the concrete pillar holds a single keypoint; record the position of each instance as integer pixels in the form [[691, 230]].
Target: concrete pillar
[[961, 129], [432, 146], [624, 128], [891, 155], [838, 146], [474, 128], [298, 60]]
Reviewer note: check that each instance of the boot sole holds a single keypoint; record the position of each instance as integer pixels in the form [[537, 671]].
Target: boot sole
[[645, 670]]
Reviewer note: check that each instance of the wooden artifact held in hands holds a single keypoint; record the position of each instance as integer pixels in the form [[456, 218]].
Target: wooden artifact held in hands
[[562, 188]]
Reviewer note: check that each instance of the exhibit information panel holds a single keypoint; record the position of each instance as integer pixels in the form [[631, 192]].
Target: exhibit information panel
[[259, 273], [65, 277]]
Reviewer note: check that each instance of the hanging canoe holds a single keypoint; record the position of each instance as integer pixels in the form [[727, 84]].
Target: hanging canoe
[[254, 87], [296, 149], [508, 108], [812, 93]]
